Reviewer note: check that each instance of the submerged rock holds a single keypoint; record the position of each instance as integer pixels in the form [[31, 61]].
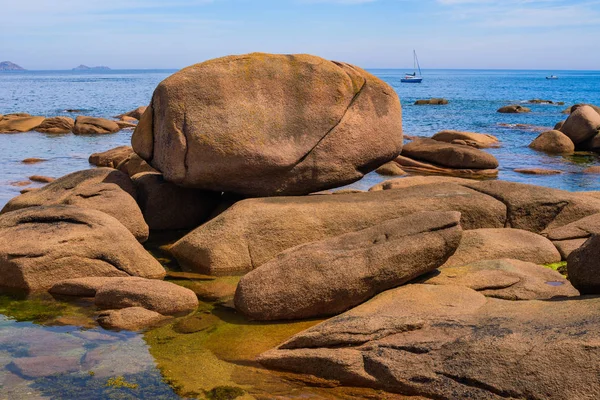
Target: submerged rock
[[432, 101], [130, 319], [492, 244], [506, 279], [40, 246], [449, 155], [56, 125], [42, 366], [254, 230], [102, 189], [330, 276], [265, 125], [477, 140], [583, 266], [554, 142], [94, 126], [452, 342], [162, 297]]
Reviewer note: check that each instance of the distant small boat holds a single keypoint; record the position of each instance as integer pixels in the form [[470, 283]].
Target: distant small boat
[[552, 77], [414, 78]]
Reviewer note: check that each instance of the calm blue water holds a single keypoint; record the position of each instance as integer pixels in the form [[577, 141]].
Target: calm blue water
[[474, 98]]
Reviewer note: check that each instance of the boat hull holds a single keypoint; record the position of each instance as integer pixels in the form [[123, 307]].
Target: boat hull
[[416, 80]]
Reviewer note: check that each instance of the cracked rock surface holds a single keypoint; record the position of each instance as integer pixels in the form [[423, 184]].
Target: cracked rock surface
[[40, 246], [102, 189], [452, 342], [265, 125], [330, 276]]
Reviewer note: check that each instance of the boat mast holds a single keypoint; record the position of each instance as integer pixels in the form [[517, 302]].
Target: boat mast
[[417, 62]]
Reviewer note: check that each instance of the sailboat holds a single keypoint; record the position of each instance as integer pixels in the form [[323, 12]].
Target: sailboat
[[414, 78]]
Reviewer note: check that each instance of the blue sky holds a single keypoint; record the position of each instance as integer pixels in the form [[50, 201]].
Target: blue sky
[[516, 34]]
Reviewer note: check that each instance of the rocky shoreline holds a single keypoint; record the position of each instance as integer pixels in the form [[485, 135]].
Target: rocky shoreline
[[435, 284]]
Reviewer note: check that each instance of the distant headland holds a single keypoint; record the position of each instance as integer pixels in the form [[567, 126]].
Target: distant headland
[[86, 68], [10, 66]]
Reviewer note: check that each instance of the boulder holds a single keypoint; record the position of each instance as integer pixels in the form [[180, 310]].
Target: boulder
[[264, 125], [137, 113], [390, 169], [253, 231], [94, 126], [40, 246], [572, 236], [553, 142], [126, 125], [451, 342], [506, 279], [330, 276], [576, 106], [162, 297], [449, 155], [592, 144], [559, 125], [536, 208], [56, 125], [514, 109], [134, 165], [168, 206], [111, 158], [130, 319], [583, 266], [477, 140], [433, 102], [12, 123], [538, 171], [582, 124], [81, 287], [492, 244], [102, 189], [409, 181], [421, 167]]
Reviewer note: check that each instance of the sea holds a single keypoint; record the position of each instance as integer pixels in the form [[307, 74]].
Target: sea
[[130, 365], [473, 95]]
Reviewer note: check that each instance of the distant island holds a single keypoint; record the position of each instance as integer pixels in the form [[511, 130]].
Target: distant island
[[10, 66], [86, 68]]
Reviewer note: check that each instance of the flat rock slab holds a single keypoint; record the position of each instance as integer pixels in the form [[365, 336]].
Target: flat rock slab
[[266, 125], [102, 189], [473, 139], [506, 279], [572, 236], [401, 183], [130, 319], [40, 246], [42, 366], [330, 276], [491, 244], [536, 208], [162, 297], [253, 231], [16, 123], [56, 125], [452, 342], [94, 126], [449, 155], [112, 157]]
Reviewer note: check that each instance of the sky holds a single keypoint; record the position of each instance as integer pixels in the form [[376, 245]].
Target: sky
[[473, 34]]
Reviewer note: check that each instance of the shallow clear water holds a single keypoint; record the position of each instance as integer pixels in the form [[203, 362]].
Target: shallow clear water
[[223, 353]]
